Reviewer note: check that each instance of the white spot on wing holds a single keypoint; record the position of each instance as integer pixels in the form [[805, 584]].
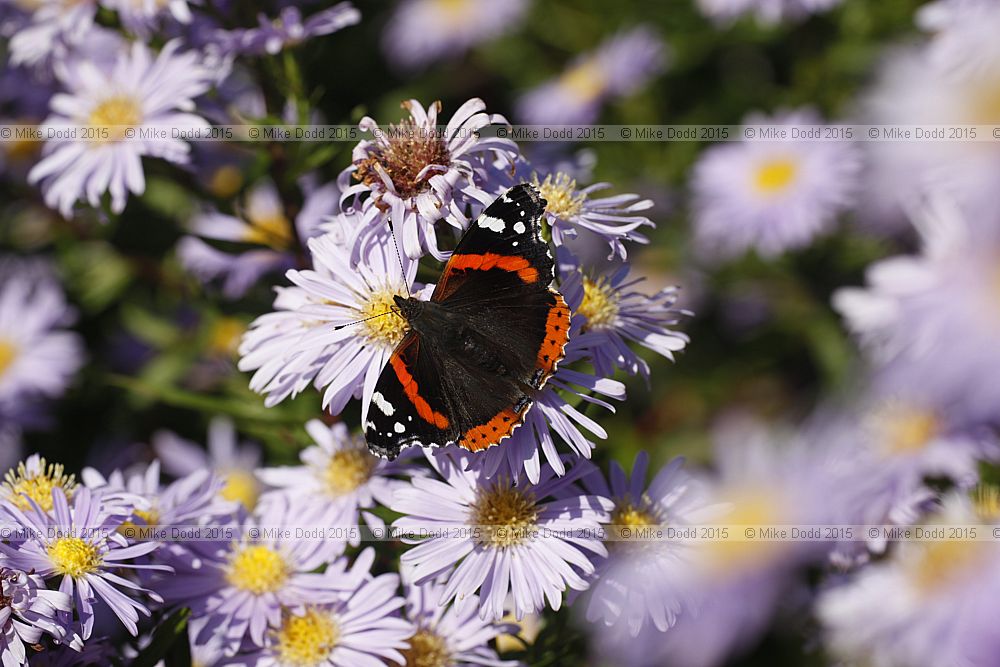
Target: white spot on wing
[[385, 406], [493, 224], [519, 227], [398, 428]]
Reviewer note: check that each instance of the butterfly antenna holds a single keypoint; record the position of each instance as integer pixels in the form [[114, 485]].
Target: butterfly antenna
[[391, 311], [399, 256]]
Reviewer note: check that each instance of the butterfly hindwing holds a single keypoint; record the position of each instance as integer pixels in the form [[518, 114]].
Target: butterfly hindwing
[[407, 407]]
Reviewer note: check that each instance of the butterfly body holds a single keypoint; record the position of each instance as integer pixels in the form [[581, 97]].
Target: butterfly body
[[476, 354]]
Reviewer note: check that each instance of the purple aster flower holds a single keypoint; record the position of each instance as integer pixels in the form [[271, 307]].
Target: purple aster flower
[[361, 630], [532, 541], [235, 462], [728, 587], [53, 28], [932, 320], [447, 636], [243, 585], [961, 30], [765, 11], [552, 413], [306, 343], [415, 174], [931, 603], [141, 17], [140, 92], [193, 499], [615, 315], [261, 223], [617, 68], [81, 544], [338, 481], [771, 196], [631, 589], [38, 357], [421, 31], [27, 612], [274, 35], [30, 484], [570, 209]]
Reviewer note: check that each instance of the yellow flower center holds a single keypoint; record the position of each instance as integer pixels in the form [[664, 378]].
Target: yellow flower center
[[560, 192], [402, 152], [905, 429], [8, 353], [986, 500], [600, 303], [456, 12], [348, 469], [504, 515], [944, 561], [241, 486], [224, 336], [116, 114], [306, 640], [257, 569], [427, 649], [273, 230], [983, 104], [628, 515], [751, 508], [775, 176], [226, 181], [387, 330], [38, 484], [585, 81], [73, 557]]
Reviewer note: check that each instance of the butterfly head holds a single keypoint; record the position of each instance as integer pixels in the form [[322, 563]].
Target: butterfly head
[[409, 307]]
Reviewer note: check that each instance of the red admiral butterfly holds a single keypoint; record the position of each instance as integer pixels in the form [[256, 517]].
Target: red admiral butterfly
[[488, 339]]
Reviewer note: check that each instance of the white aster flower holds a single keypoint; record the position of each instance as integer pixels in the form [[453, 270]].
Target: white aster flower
[[120, 104]]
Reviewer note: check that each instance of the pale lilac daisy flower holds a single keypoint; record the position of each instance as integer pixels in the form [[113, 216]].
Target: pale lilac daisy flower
[[631, 587], [421, 31], [414, 174], [615, 315], [532, 541], [932, 320], [771, 196], [962, 43], [617, 68], [447, 636], [38, 356], [235, 462], [765, 11], [570, 208], [311, 343], [30, 484], [261, 223], [339, 478], [531, 448], [363, 629], [53, 28], [729, 588], [289, 29], [140, 92], [931, 603], [142, 17], [81, 544], [28, 611], [244, 585], [193, 499]]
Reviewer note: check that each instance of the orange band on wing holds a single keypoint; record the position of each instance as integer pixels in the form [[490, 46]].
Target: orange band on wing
[[410, 388], [556, 337], [490, 433], [519, 265]]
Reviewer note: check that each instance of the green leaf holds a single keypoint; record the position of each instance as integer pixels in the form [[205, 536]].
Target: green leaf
[[172, 631]]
